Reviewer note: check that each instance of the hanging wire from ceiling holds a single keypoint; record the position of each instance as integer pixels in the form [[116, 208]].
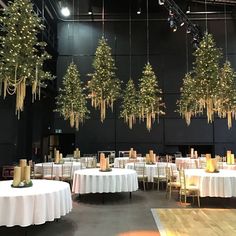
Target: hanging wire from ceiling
[[206, 27], [130, 41], [147, 32], [73, 29], [103, 17], [226, 34], [187, 58]]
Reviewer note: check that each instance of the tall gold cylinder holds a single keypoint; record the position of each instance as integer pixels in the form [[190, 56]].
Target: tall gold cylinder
[[27, 174], [17, 176], [23, 163]]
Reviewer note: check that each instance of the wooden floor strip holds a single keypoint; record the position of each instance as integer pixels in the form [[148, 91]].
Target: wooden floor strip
[[195, 222]]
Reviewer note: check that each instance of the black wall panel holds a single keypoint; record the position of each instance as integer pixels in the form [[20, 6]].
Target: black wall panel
[[171, 57]]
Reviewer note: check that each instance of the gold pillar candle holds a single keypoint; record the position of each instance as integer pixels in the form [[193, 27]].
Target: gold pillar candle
[[23, 163], [195, 154], [228, 156], [75, 154], [232, 159], [208, 162], [134, 154], [151, 156], [147, 158], [78, 154], [17, 176], [102, 161], [60, 156], [107, 163], [131, 152], [57, 158], [27, 174], [192, 153]]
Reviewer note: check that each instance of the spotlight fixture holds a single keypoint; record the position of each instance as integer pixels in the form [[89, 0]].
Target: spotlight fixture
[[139, 11], [161, 2], [188, 31], [90, 10], [182, 23], [139, 7], [65, 11], [188, 10]]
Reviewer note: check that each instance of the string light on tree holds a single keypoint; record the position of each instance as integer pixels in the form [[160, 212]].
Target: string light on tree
[[129, 104], [22, 56], [225, 104], [150, 102], [104, 87], [71, 101]]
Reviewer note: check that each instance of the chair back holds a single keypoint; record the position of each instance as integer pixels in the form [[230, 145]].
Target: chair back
[[121, 163], [140, 168], [182, 179], [67, 170], [47, 170], [161, 171]]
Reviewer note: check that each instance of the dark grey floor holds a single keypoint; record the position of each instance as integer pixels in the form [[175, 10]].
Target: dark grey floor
[[111, 214]]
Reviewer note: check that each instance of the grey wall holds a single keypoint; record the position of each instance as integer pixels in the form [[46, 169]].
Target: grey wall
[[168, 57]]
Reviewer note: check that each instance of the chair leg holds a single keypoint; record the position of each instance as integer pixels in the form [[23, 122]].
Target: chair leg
[[198, 200]]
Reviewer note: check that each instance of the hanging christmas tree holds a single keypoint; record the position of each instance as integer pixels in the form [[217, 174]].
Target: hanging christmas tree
[[206, 69], [129, 104], [21, 55], [187, 102], [150, 100], [71, 101], [225, 103], [104, 88]]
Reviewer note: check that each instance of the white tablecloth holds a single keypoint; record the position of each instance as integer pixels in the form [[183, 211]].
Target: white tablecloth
[[125, 160], [222, 184], [95, 181], [228, 167], [151, 170], [187, 162], [57, 168], [45, 201]]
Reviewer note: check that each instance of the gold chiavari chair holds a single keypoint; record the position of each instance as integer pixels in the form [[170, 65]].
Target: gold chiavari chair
[[187, 190], [66, 172], [160, 177], [141, 172], [47, 170], [172, 185], [121, 163]]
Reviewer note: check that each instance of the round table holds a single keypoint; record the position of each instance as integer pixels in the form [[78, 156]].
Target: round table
[[95, 181], [45, 201], [125, 160], [227, 166], [151, 170], [220, 184], [57, 168], [188, 163]]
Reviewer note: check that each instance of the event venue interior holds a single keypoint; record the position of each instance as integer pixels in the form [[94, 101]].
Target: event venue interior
[[117, 117]]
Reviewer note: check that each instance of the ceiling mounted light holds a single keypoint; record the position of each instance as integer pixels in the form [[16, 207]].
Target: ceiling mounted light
[[188, 10], [139, 11], [65, 11], [161, 2], [90, 10]]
